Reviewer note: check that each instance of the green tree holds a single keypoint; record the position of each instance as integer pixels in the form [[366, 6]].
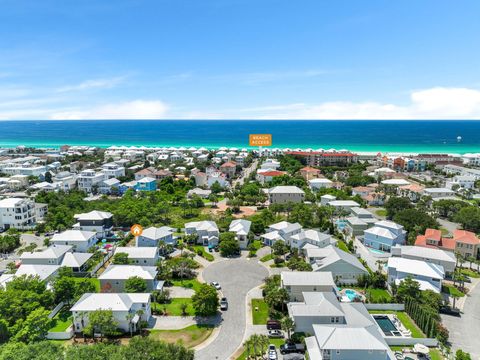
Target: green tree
[[462, 355], [288, 325], [216, 187], [4, 331], [229, 246], [64, 289], [120, 259], [35, 327], [408, 288], [395, 204], [469, 218], [135, 284], [205, 300], [48, 177], [101, 322]]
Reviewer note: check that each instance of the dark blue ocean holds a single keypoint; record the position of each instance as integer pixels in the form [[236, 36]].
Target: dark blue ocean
[[374, 135]]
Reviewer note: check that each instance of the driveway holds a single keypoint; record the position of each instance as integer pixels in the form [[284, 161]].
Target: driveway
[[237, 277], [464, 330]]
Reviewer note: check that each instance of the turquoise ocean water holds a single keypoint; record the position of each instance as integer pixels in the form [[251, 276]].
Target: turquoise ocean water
[[368, 135]]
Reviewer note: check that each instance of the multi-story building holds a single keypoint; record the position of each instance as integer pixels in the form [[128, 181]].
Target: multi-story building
[[325, 158], [89, 179], [17, 213], [113, 170], [285, 194]]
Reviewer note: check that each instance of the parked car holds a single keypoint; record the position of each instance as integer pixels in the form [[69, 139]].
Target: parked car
[[275, 334], [447, 310], [272, 352], [216, 285], [273, 325], [292, 348], [210, 249], [223, 303]]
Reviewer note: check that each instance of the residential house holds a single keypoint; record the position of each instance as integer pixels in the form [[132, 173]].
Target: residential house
[[146, 184], [446, 259], [461, 182], [343, 205], [427, 274], [156, 237], [108, 186], [464, 243], [384, 235], [77, 261], [286, 194], [113, 170], [360, 221], [80, 240], [207, 232], [113, 279], [53, 255], [282, 231], [320, 183], [17, 213], [229, 168], [101, 222], [241, 228], [439, 193], [204, 194], [345, 267], [265, 176], [89, 180], [145, 256], [298, 282], [312, 237], [309, 173], [128, 309], [148, 172]]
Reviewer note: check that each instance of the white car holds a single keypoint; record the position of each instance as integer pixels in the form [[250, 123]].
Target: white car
[[216, 285], [272, 352]]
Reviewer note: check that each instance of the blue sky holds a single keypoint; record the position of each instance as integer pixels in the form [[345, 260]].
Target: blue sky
[[89, 59]]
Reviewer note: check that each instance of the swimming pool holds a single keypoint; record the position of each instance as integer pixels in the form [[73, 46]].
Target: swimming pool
[[376, 251], [351, 294], [387, 326], [341, 224]]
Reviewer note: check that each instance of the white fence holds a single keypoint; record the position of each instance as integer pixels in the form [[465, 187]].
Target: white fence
[[406, 341], [386, 307], [56, 310], [61, 335]]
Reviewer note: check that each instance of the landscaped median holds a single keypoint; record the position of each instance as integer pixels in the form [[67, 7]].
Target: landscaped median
[[405, 319], [266, 258], [259, 312], [200, 251], [189, 337]]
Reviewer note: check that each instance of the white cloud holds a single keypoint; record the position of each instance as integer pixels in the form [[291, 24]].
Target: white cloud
[[93, 84], [137, 109], [434, 103]]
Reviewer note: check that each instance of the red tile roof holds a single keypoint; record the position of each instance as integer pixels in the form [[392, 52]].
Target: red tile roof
[[466, 237], [229, 164], [462, 236], [272, 173], [310, 169], [325, 154]]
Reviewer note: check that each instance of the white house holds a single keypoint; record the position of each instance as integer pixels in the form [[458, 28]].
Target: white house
[[462, 181], [53, 255], [113, 170], [298, 282], [241, 228], [80, 240], [154, 237], [320, 183], [437, 193], [123, 306], [100, 222], [206, 232], [114, 277], [427, 274], [433, 255], [343, 205], [89, 179], [345, 267], [282, 231], [17, 213], [146, 256], [285, 194], [44, 272], [384, 235], [313, 237]]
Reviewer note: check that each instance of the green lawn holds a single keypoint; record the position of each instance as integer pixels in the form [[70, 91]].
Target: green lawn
[[342, 246], [266, 258], [94, 281], [174, 307], [470, 273], [379, 295], [62, 321], [204, 253], [193, 284], [405, 319], [260, 317], [276, 342], [452, 290], [435, 354], [381, 212], [189, 337]]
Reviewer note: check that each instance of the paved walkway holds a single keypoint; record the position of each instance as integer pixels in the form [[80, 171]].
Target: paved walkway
[[236, 277], [464, 330]]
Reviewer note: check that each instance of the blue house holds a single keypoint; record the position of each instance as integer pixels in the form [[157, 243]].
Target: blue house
[[146, 184], [384, 235], [124, 187]]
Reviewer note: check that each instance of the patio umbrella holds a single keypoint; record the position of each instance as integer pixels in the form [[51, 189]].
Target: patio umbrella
[[421, 349], [108, 246]]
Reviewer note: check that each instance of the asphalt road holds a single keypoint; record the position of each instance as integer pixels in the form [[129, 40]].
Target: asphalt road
[[465, 330], [236, 277]]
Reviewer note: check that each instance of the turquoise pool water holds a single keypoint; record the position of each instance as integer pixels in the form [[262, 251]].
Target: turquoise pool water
[[375, 251], [351, 294]]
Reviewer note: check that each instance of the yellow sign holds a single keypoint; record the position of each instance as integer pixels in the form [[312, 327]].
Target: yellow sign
[[260, 139], [136, 230]]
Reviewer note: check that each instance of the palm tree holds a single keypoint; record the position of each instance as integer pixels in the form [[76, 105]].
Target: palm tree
[[129, 318], [140, 313], [288, 325], [183, 307]]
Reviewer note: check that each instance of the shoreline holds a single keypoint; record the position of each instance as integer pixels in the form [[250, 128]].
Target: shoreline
[[155, 147]]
